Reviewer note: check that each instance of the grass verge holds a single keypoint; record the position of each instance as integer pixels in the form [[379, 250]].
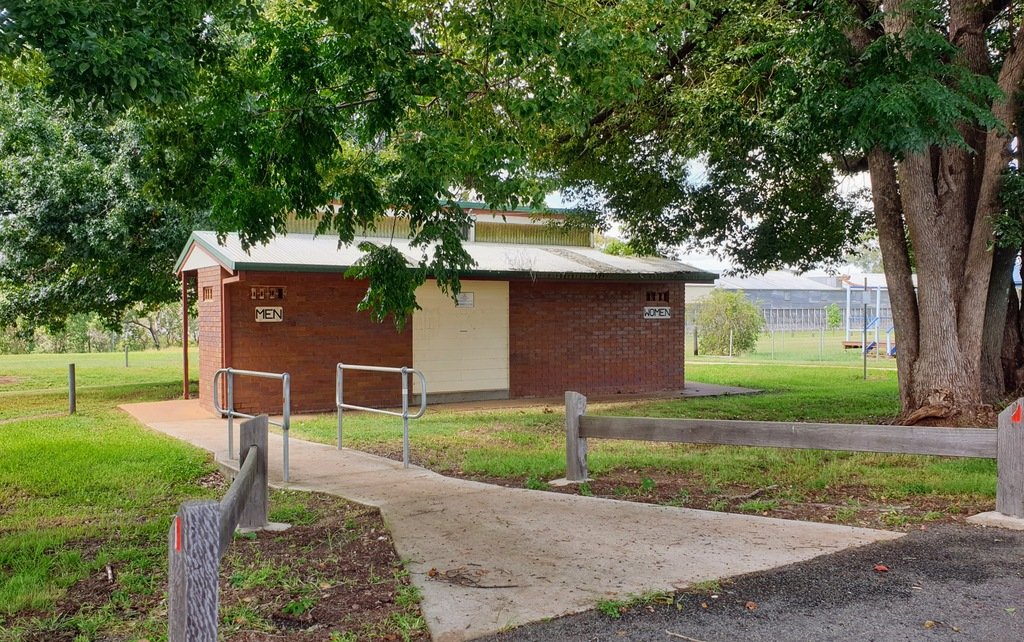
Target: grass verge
[[525, 446], [86, 501]]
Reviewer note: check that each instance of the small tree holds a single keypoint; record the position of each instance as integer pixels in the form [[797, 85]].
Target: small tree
[[722, 313], [833, 316]]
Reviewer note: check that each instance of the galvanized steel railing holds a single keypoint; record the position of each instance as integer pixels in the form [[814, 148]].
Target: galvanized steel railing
[[339, 400], [232, 413]]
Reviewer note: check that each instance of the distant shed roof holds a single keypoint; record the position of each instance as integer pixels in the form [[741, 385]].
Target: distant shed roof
[[308, 253], [777, 280]]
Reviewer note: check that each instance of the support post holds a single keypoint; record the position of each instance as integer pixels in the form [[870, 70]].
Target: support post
[[340, 387], [286, 417], [126, 354], [864, 341], [575, 446], [1010, 461], [254, 433], [184, 335], [231, 414], [72, 393], [193, 560], [405, 417]]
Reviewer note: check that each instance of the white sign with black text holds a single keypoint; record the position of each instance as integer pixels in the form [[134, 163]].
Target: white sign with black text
[[658, 312], [269, 315]]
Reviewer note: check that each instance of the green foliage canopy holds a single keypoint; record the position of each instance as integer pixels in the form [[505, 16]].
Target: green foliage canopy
[[77, 232]]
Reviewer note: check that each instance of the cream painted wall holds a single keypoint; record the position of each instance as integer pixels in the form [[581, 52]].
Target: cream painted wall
[[461, 349]]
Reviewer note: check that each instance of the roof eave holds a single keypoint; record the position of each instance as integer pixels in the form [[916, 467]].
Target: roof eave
[[508, 275], [212, 249]]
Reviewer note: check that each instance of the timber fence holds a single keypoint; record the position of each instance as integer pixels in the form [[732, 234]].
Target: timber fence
[[200, 534], [1005, 443]]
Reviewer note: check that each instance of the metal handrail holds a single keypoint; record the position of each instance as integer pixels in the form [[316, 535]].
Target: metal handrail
[[286, 389], [339, 400]]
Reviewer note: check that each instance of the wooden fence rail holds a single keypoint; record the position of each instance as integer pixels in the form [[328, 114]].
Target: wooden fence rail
[[1005, 444], [200, 534]]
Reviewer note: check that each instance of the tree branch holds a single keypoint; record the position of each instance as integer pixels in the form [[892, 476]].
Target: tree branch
[[991, 10], [892, 241], [673, 61], [978, 270]]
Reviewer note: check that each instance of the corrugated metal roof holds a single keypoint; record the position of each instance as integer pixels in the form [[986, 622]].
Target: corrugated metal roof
[[308, 253], [778, 280]]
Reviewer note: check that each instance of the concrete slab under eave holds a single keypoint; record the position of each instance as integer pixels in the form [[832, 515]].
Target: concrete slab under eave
[[487, 557]]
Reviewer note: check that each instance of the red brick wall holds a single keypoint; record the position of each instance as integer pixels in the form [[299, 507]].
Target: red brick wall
[[589, 337], [209, 333], [321, 327], [592, 338]]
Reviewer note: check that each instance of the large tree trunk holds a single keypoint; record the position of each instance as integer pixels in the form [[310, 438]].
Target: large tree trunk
[[1012, 349], [892, 241], [1000, 322], [940, 201], [944, 379]]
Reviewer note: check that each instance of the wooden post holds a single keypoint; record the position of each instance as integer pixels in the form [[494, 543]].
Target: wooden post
[[1010, 461], [72, 400], [575, 446], [254, 433], [193, 561]]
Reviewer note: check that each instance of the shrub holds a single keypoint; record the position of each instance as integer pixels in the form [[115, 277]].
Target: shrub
[[723, 312], [833, 316]]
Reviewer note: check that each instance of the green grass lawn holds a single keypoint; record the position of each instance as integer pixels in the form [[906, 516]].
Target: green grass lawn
[[808, 347], [37, 384], [80, 493], [528, 445]]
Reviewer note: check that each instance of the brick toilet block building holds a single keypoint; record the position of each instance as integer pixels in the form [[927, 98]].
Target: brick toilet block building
[[532, 320]]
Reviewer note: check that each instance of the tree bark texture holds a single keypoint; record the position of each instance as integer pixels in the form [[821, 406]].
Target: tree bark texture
[[936, 205]]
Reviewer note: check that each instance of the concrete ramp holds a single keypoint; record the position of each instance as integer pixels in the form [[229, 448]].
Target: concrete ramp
[[488, 558]]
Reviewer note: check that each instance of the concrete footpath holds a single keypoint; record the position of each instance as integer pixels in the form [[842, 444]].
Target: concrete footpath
[[488, 558]]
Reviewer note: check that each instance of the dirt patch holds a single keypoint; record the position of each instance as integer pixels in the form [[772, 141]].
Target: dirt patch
[[339, 575], [334, 573], [849, 505], [6, 380]]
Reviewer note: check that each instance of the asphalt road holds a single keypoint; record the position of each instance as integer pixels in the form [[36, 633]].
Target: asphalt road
[[944, 583]]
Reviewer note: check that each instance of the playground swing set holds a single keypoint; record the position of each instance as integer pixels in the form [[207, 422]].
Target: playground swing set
[[868, 336]]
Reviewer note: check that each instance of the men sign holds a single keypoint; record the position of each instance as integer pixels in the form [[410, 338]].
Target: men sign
[[269, 315]]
